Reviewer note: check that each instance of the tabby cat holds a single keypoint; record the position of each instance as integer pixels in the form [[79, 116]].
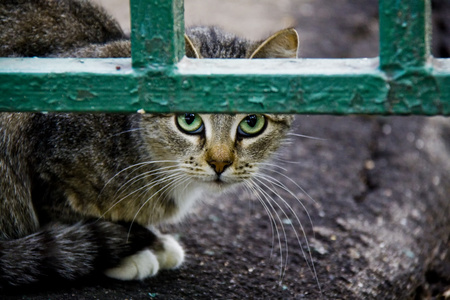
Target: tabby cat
[[81, 193]]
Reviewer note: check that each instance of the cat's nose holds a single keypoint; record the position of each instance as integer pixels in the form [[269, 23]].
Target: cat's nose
[[219, 166], [220, 157]]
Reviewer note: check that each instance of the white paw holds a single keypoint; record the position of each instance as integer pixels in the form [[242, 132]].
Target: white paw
[[172, 255], [138, 266]]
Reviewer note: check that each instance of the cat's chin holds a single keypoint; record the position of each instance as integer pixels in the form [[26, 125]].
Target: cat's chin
[[218, 185]]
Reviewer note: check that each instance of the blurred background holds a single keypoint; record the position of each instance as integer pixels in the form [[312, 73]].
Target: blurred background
[[327, 28]]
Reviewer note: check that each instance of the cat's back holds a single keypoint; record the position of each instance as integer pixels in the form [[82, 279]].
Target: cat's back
[[49, 28]]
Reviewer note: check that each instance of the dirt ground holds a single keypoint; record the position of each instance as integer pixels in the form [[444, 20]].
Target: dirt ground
[[380, 226]]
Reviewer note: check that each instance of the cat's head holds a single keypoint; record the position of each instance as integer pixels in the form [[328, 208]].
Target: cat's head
[[216, 151]]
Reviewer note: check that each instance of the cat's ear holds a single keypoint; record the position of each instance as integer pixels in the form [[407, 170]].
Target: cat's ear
[[191, 51], [283, 44]]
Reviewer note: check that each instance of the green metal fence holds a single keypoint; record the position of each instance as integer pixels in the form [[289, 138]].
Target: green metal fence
[[404, 79]]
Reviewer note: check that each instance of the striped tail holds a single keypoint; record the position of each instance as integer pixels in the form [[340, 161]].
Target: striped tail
[[69, 251]]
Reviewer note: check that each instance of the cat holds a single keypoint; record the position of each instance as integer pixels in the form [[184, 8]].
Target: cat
[[83, 193]]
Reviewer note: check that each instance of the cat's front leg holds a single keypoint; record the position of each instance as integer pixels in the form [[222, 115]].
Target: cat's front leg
[[166, 253]]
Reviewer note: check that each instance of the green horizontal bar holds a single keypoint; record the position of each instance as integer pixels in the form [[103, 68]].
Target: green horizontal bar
[[405, 33], [43, 84], [157, 34], [314, 86]]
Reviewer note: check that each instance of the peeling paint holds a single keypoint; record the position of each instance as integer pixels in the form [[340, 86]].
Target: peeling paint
[[82, 95], [157, 34], [404, 33], [257, 99]]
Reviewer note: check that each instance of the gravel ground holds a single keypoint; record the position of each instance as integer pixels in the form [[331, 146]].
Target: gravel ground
[[380, 226]]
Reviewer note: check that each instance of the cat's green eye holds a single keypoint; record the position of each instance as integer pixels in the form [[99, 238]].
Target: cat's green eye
[[190, 123], [252, 125]]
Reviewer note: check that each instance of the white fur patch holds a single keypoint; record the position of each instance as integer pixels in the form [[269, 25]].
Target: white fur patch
[[185, 197], [173, 254], [135, 267], [148, 262]]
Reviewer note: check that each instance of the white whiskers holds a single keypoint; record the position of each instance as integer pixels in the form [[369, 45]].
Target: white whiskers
[[136, 167], [267, 190], [305, 136], [127, 131], [174, 182], [271, 211], [159, 176]]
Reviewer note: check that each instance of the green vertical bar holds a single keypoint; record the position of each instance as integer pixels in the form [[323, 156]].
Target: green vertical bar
[[405, 33], [157, 32]]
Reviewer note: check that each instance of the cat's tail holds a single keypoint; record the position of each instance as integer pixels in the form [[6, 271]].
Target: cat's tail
[[69, 251]]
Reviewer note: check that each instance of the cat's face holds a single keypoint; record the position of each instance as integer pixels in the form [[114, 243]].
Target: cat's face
[[210, 153], [217, 151]]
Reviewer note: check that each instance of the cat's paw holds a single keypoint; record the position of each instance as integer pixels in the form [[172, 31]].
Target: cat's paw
[[135, 267], [146, 263], [171, 255]]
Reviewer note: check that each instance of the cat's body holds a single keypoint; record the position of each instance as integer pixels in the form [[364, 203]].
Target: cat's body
[[79, 193]]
